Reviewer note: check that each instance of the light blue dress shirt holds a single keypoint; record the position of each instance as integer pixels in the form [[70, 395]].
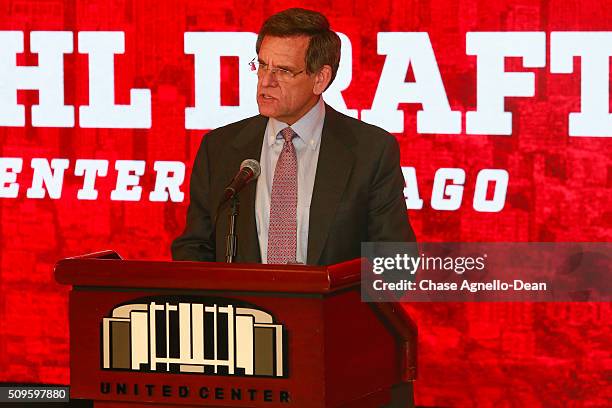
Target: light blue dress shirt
[[308, 128]]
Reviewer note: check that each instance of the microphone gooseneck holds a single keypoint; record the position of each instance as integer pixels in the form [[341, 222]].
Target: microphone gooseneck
[[249, 171]]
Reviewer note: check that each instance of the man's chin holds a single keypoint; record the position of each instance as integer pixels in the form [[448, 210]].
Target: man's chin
[[265, 111]]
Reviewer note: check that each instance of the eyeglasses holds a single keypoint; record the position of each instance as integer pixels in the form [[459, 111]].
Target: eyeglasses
[[281, 74]]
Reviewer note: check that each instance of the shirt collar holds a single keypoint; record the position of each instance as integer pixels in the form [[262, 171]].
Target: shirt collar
[[308, 127]]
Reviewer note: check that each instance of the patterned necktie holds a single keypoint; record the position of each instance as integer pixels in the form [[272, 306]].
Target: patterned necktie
[[282, 232]]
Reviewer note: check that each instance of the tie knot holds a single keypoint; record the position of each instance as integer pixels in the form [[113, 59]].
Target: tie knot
[[288, 134]]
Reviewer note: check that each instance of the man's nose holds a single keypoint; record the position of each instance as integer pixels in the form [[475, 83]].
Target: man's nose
[[267, 78]]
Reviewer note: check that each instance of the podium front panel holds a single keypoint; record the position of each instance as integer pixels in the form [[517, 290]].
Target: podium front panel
[[197, 348]]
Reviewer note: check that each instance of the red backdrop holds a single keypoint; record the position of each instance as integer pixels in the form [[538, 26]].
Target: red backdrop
[[470, 354]]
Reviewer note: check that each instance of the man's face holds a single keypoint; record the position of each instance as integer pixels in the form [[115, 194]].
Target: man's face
[[289, 100]]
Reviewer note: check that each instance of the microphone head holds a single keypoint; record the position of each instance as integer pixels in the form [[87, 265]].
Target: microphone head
[[252, 165]]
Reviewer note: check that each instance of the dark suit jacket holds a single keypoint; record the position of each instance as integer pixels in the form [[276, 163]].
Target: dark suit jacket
[[357, 196]]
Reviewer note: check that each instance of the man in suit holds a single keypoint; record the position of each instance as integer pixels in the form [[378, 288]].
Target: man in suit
[[328, 182]]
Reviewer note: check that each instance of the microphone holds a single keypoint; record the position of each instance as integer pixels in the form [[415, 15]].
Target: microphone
[[249, 171]]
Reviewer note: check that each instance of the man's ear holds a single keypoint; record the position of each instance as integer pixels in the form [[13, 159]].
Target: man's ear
[[322, 80]]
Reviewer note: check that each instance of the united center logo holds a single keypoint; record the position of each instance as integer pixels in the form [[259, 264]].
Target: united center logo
[[202, 336]]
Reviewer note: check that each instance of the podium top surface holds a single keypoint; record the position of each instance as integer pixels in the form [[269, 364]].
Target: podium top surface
[[107, 269]]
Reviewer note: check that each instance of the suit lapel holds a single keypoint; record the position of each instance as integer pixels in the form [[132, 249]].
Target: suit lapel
[[333, 170], [248, 146]]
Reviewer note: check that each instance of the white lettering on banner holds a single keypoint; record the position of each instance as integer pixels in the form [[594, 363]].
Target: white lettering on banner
[[594, 50], [333, 94], [402, 51], [102, 112], [447, 196], [8, 186], [493, 83], [90, 169], [444, 196], [411, 191], [485, 177], [52, 176], [208, 48], [170, 176], [49, 176], [47, 78], [128, 178]]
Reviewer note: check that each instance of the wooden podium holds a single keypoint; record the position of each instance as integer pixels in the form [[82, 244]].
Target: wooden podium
[[233, 335]]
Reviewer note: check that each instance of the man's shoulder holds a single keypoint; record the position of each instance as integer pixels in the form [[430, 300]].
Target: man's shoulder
[[232, 130], [362, 131]]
